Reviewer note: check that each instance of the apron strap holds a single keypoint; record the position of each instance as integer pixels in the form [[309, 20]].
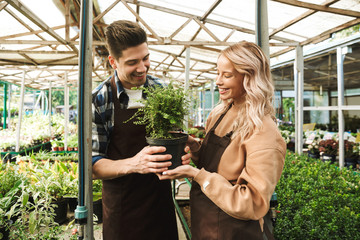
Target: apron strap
[[219, 120]]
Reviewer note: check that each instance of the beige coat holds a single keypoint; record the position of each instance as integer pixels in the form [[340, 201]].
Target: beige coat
[[263, 154]]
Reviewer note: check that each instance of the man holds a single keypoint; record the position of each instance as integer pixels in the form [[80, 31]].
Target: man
[[136, 204]]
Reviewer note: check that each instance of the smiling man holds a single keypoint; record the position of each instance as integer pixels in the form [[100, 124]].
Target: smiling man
[[136, 204]]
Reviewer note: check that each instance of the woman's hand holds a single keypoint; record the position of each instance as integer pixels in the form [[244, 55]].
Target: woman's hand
[[184, 171]]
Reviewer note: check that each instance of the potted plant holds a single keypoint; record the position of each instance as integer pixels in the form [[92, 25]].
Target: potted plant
[[10, 189], [350, 154], [61, 145], [55, 145], [72, 143], [329, 149], [163, 115]]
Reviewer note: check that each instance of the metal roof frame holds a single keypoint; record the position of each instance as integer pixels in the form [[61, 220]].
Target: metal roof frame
[[46, 51]]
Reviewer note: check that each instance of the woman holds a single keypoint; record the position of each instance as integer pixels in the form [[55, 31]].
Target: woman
[[242, 156]]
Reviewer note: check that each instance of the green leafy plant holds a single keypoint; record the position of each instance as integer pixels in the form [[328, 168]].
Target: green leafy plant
[[317, 200], [164, 111], [97, 190]]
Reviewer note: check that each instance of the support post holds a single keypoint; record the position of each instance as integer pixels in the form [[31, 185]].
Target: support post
[[340, 56], [9, 106], [84, 210], [203, 105], [212, 90], [299, 89], [50, 107], [187, 81], [66, 110], [261, 25], [5, 105], [21, 107]]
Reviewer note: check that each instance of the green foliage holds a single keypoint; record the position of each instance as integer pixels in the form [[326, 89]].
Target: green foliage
[[164, 111], [317, 200], [289, 115], [193, 131], [57, 97]]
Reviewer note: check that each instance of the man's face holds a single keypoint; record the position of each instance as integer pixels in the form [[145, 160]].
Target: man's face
[[133, 66]]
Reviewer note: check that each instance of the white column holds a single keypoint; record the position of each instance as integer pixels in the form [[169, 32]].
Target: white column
[[299, 90], [66, 110], [187, 81], [212, 89], [340, 56], [21, 106], [261, 26], [49, 107]]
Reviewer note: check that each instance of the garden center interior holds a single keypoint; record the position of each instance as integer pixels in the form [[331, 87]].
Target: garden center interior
[[313, 47]]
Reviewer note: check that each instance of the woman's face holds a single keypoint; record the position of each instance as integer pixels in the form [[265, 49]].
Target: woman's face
[[229, 81]]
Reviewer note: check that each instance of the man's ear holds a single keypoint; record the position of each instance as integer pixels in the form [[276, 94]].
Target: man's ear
[[112, 61]]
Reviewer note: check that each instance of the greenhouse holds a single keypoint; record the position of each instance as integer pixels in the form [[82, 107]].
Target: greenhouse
[[54, 55]]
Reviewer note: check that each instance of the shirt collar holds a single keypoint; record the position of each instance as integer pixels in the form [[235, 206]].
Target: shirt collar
[[121, 94]]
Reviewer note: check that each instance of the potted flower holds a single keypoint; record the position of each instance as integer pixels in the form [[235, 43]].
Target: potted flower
[[313, 139], [329, 149], [350, 154], [163, 115]]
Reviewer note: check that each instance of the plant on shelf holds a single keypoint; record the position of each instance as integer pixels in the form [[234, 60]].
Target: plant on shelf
[[10, 189], [72, 143], [351, 154], [313, 139], [192, 131], [329, 147], [164, 113], [350, 149]]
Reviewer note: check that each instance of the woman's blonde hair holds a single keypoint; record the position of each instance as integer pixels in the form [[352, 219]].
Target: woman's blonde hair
[[250, 60]]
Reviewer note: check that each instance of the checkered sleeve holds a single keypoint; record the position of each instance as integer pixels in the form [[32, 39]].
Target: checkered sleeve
[[101, 121]]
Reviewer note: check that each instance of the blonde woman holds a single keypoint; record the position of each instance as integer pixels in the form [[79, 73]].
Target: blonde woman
[[242, 156]]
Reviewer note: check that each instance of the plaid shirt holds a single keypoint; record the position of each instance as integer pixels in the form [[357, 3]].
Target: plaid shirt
[[103, 113]]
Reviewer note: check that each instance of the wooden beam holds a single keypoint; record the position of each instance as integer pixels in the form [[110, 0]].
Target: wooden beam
[[211, 21], [36, 20], [207, 30], [142, 21], [180, 28], [4, 51], [3, 5], [29, 58], [322, 36], [322, 8], [67, 20], [101, 15], [32, 32], [210, 10], [299, 18]]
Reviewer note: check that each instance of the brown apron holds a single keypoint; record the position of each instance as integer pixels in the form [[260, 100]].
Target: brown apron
[[208, 221], [135, 206]]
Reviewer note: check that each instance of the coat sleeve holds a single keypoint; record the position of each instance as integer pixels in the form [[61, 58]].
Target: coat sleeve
[[249, 198]]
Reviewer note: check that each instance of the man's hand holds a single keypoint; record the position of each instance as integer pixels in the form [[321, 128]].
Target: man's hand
[[146, 162]]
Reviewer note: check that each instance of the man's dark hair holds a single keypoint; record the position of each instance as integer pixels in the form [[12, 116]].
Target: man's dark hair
[[122, 34]]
